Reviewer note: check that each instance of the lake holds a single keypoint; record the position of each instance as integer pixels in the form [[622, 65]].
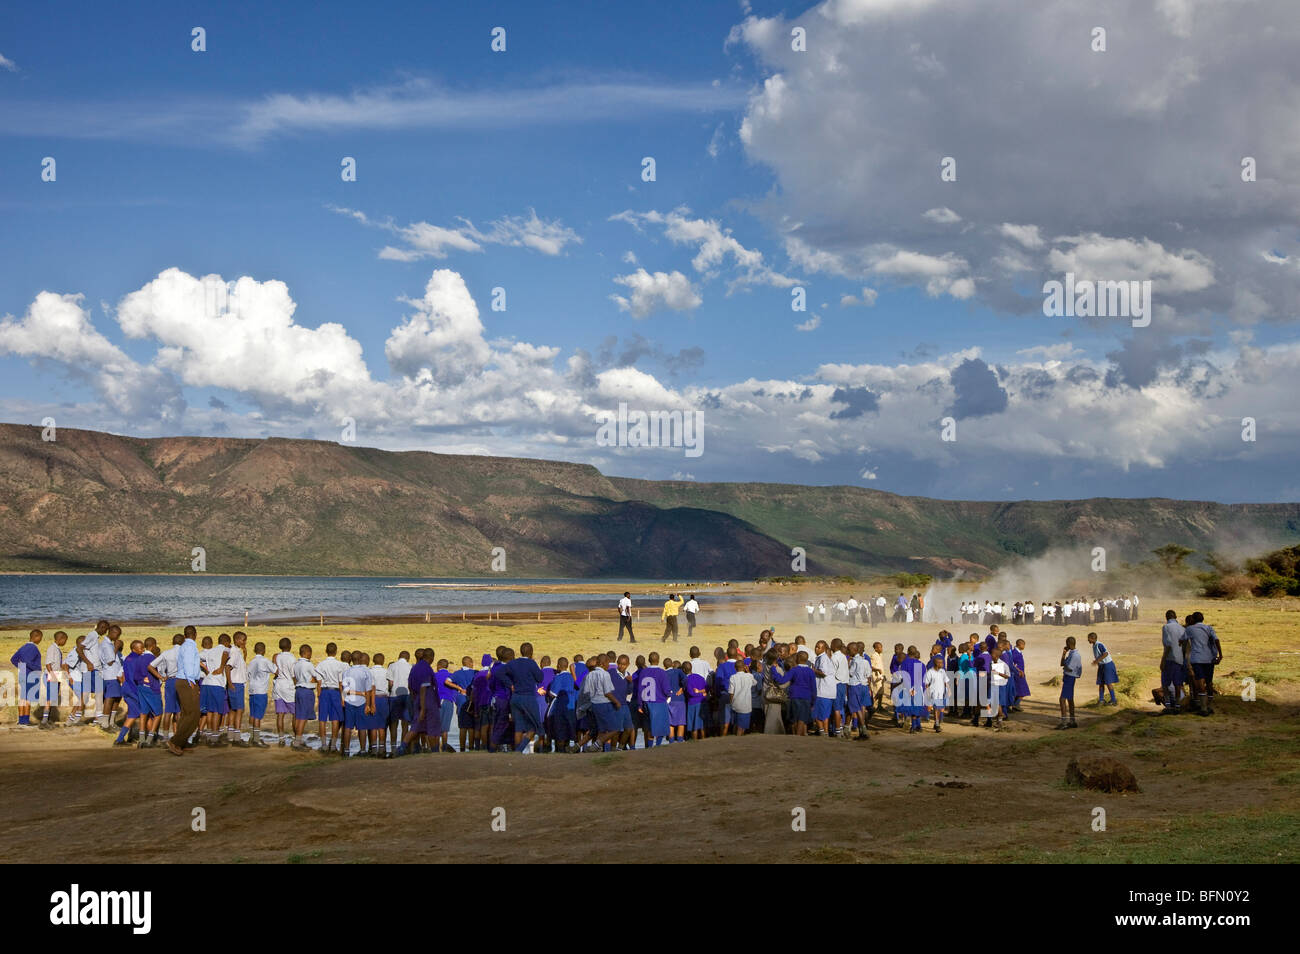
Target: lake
[[39, 599]]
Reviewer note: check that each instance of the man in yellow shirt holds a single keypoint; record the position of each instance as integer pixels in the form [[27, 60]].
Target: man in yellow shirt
[[669, 616]]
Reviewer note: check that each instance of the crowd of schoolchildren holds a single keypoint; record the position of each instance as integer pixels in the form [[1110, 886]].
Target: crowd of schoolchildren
[[206, 691]]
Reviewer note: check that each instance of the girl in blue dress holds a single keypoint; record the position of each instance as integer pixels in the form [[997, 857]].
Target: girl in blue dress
[[1106, 675]]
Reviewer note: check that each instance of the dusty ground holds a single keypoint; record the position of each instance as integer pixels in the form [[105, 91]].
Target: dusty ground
[[1225, 788]]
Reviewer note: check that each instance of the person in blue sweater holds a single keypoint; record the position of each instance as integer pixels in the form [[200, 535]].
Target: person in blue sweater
[[563, 692], [523, 676], [28, 663], [803, 687]]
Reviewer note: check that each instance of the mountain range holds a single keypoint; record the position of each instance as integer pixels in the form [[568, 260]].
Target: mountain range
[[93, 501]]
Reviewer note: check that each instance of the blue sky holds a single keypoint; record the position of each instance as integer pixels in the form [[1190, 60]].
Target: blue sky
[[776, 168]]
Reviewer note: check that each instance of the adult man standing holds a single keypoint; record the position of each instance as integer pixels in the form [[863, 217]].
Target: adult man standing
[[851, 610], [671, 608], [692, 607], [188, 675], [625, 618]]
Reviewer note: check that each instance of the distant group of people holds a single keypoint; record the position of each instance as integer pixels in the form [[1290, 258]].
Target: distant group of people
[[874, 610], [1080, 611]]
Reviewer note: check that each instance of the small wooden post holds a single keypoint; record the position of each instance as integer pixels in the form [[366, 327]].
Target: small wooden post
[[322, 619], [245, 619]]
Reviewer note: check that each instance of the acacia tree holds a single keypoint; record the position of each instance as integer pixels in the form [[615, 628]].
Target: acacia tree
[[1173, 554]]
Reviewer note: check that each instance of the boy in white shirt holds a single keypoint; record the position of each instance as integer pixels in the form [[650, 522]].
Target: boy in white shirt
[[236, 684], [330, 673], [260, 670], [741, 688], [284, 689], [53, 675], [400, 712], [378, 721], [358, 691], [1000, 674], [826, 688], [213, 702], [305, 683], [859, 696], [840, 666]]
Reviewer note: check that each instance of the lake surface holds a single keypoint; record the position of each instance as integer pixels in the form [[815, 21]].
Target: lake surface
[[40, 599]]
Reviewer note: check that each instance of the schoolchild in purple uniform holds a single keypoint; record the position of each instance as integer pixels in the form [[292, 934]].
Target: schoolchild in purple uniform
[[803, 687], [464, 678], [481, 694], [722, 690], [676, 702], [149, 693], [618, 676], [695, 689], [564, 696], [134, 666], [27, 660], [912, 690], [449, 693], [543, 701], [500, 700], [981, 665], [523, 676], [1020, 684], [652, 692], [427, 724]]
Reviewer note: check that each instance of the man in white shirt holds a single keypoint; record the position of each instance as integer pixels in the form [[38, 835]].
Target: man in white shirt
[[821, 611], [692, 609], [625, 617], [851, 608], [879, 615], [812, 611]]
